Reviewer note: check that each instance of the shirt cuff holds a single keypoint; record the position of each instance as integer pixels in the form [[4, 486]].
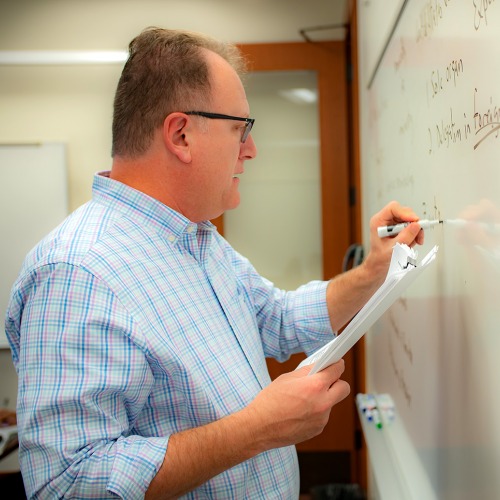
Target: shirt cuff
[[137, 461], [311, 317]]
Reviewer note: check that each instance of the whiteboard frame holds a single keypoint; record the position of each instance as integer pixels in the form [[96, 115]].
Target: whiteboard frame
[[33, 200]]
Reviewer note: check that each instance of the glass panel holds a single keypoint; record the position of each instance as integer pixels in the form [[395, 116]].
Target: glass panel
[[278, 223]]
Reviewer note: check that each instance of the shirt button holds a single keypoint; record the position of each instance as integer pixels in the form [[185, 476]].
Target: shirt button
[[171, 238], [190, 229]]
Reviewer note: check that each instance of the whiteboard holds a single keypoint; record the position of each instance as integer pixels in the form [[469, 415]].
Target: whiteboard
[[430, 126], [33, 200]]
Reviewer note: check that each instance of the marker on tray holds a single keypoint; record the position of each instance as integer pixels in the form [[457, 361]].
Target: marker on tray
[[368, 406]]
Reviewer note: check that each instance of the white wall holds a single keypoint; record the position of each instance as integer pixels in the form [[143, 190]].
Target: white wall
[[98, 24]]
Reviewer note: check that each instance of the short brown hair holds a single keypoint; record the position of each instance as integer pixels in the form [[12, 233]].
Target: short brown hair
[[166, 71]]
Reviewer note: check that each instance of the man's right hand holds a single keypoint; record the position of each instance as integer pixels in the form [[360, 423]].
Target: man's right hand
[[296, 407]]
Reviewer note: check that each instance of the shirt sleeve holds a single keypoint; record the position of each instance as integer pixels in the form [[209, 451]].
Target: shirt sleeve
[[83, 379], [295, 321], [288, 321]]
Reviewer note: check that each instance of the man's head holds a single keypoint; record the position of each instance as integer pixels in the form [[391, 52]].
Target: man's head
[[166, 71], [181, 123]]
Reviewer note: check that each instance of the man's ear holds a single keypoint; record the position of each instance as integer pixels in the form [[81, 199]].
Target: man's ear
[[176, 137]]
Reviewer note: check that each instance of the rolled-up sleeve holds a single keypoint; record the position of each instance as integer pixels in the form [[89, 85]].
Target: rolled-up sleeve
[[83, 379], [312, 320]]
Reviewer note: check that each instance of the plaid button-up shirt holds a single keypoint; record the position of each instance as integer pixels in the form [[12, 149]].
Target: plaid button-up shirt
[[129, 323]]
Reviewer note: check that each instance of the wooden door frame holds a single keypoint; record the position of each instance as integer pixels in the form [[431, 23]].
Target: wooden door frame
[[327, 59], [359, 351]]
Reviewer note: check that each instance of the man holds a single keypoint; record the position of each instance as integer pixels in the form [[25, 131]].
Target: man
[[140, 335]]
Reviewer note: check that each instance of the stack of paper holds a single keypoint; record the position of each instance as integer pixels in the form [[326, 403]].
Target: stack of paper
[[403, 270]]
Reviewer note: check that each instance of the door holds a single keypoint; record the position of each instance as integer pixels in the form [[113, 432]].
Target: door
[[278, 223]]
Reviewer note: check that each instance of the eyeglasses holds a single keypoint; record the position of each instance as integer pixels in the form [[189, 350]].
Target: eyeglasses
[[248, 121]]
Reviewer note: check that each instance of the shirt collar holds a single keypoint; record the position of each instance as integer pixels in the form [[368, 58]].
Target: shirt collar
[[143, 208]]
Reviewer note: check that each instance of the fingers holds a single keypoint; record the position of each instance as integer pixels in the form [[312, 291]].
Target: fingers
[[330, 389], [339, 391], [394, 213], [332, 373], [411, 235], [329, 377], [338, 366]]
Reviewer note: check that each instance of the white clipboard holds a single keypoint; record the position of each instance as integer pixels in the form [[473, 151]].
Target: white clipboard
[[403, 270]]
